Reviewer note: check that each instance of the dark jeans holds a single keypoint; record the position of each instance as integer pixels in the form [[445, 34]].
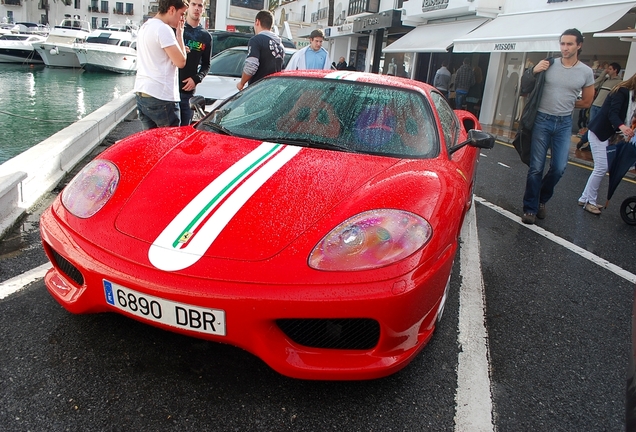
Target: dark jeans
[[549, 132], [155, 112], [184, 107]]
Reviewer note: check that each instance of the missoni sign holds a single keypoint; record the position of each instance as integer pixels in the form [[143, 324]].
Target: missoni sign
[[505, 46]]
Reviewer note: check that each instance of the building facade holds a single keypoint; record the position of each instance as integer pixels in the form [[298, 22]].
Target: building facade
[[500, 38]]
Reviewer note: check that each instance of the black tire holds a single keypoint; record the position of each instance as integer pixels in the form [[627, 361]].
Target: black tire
[[628, 210]]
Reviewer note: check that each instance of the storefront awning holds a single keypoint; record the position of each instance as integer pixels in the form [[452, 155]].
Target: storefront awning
[[433, 37], [539, 31], [627, 35]]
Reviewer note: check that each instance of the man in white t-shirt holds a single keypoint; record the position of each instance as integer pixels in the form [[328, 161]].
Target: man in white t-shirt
[[160, 54]]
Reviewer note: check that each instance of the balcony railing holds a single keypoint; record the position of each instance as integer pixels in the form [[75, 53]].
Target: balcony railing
[[12, 2], [363, 6], [320, 15]]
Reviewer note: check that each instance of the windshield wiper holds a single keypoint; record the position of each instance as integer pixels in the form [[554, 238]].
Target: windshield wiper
[[216, 128], [308, 142]]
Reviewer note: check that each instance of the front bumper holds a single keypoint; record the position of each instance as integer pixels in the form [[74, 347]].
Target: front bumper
[[270, 321]]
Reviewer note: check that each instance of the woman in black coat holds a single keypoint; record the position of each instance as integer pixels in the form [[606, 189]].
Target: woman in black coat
[[610, 119]]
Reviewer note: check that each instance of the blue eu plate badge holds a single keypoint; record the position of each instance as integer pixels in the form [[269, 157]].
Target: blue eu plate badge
[[108, 290]]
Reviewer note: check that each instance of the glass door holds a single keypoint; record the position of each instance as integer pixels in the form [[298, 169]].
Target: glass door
[[510, 102], [509, 90]]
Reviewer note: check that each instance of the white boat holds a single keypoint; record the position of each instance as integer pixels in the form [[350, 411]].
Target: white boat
[[108, 49], [57, 50], [6, 28], [18, 48], [30, 28]]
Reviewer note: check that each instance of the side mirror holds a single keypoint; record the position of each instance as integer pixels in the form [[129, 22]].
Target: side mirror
[[476, 138], [197, 104]]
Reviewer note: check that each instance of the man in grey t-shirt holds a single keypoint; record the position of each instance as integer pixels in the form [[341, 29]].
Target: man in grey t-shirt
[[564, 80]]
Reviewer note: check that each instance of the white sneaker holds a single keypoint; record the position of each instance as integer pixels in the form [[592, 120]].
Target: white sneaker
[[592, 208]]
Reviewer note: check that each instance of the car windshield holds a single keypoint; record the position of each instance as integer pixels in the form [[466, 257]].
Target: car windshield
[[229, 63], [332, 114], [225, 40]]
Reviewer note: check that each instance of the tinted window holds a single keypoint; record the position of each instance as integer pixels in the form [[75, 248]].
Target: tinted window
[[230, 63], [450, 125], [224, 40]]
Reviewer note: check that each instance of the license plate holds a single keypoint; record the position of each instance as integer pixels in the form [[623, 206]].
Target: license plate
[[174, 314]]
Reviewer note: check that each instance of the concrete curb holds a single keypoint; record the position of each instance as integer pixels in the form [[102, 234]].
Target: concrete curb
[[27, 177]]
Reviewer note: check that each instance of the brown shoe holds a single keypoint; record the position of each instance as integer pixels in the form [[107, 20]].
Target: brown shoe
[[592, 208], [528, 218], [541, 213]]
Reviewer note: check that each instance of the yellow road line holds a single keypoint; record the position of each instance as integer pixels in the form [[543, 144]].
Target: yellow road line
[[576, 164]]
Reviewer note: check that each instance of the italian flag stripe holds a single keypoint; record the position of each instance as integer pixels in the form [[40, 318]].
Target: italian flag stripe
[[189, 235], [222, 192]]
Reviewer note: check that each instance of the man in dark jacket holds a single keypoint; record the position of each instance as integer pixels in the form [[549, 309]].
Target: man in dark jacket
[[265, 52], [552, 128], [198, 44]]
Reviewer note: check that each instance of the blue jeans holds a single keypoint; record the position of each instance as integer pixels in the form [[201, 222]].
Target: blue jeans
[[593, 111], [184, 107], [155, 112], [460, 98], [549, 132]]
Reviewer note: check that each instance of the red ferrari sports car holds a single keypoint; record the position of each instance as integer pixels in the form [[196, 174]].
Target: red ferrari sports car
[[312, 220]]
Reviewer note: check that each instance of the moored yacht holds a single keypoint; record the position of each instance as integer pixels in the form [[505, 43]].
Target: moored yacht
[[18, 48], [109, 49], [57, 50]]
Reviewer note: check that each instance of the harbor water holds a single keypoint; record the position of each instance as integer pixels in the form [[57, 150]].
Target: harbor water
[[38, 101]]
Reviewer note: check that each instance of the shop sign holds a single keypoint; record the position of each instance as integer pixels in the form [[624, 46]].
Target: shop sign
[[377, 21], [341, 30], [431, 5], [510, 46]]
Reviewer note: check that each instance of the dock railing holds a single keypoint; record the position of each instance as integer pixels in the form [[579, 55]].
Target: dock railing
[[27, 177]]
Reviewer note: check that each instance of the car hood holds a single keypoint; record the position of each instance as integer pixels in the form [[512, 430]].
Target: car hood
[[227, 197]]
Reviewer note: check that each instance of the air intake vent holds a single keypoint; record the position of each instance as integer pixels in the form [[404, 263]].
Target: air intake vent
[[67, 268], [346, 333]]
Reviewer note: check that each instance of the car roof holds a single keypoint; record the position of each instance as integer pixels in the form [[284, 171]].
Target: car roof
[[244, 48], [240, 35]]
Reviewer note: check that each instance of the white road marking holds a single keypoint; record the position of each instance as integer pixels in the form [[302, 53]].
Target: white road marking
[[503, 165], [631, 277], [473, 400], [15, 284]]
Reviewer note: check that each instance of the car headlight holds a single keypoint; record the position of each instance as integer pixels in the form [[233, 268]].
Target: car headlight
[[370, 240], [91, 189]]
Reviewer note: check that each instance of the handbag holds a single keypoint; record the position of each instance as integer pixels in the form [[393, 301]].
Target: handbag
[[522, 142]]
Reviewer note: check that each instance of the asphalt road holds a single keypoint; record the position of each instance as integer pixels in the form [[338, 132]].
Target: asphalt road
[[557, 296]]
